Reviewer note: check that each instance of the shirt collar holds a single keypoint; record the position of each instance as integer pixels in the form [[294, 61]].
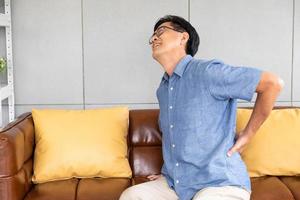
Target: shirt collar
[[180, 67]]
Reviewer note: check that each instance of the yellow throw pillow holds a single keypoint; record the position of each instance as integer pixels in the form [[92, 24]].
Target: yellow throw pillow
[[80, 143], [275, 148]]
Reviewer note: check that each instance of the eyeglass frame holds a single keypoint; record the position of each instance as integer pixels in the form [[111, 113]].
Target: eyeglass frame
[[171, 28]]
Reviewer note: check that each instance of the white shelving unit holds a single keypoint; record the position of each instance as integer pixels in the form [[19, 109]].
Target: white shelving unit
[[7, 91]]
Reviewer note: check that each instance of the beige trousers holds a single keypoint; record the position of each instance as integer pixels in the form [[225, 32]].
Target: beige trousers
[[159, 190]]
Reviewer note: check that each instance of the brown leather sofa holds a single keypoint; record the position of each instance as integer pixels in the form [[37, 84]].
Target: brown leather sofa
[[145, 156]]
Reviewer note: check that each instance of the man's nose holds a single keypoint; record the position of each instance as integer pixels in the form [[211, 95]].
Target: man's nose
[[154, 38]]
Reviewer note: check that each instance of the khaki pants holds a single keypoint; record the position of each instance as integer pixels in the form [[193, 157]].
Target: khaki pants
[[159, 190]]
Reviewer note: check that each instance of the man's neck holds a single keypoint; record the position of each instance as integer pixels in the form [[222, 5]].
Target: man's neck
[[169, 62]]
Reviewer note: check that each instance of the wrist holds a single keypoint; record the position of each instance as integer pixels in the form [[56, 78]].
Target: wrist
[[248, 133]]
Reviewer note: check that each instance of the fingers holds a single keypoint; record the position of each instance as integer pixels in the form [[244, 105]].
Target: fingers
[[239, 144], [237, 147], [153, 177], [232, 150]]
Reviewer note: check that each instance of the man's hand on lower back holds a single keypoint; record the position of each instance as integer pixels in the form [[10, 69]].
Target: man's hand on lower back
[[240, 144]]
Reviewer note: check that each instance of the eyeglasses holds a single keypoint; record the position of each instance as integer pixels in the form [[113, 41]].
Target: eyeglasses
[[161, 30]]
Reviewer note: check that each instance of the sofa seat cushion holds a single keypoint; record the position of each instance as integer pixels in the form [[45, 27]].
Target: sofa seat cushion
[[269, 187], [293, 183], [62, 190], [101, 188], [80, 189]]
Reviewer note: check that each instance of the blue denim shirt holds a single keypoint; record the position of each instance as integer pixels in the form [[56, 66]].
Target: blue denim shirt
[[197, 118]]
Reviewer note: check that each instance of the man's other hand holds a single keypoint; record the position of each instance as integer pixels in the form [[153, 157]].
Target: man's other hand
[[154, 177]]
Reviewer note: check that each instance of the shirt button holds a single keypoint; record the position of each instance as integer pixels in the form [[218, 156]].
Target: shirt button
[[173, 145], [171, 88], [171, 107], [177, 164], [171, 126], [177, 181]]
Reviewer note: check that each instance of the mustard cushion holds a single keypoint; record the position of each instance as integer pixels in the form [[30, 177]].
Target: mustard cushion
[[80, 143], [275, 148]]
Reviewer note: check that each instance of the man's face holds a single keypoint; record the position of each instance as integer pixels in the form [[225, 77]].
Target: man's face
[[165, 40]]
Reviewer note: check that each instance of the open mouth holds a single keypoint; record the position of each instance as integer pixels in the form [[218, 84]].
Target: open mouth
[[155, 45]]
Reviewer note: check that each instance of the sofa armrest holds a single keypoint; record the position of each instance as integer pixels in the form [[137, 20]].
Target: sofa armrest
[[16, 158], [144, 141]]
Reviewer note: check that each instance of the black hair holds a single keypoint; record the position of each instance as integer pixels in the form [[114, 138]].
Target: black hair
[[181, 24]]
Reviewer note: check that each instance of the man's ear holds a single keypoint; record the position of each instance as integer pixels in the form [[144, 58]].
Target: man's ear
[[185, 38]]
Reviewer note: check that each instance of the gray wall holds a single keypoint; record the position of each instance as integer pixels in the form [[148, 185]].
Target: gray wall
[[296, 56], [91, 53]]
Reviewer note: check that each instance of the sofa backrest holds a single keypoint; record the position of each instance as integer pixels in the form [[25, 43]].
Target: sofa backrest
[[144, 142]]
